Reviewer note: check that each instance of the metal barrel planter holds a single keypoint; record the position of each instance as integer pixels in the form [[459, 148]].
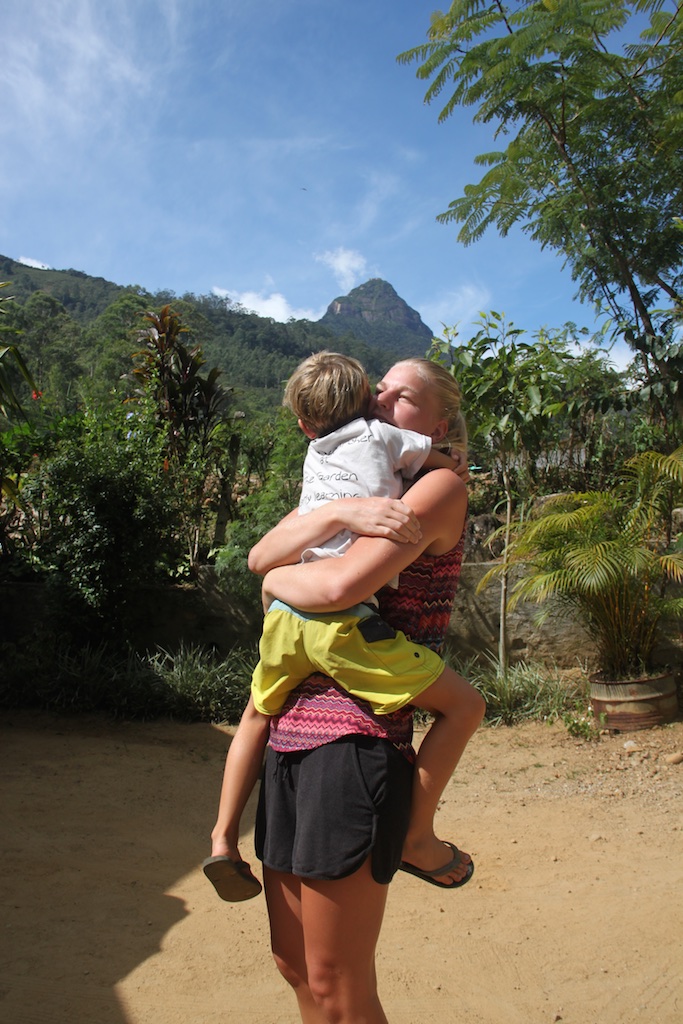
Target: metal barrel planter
[[634, 704]]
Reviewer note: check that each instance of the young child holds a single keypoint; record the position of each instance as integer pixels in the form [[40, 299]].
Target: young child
[[348, 456]]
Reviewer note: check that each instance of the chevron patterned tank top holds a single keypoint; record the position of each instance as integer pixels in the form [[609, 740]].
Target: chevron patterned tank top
[[319, 712]]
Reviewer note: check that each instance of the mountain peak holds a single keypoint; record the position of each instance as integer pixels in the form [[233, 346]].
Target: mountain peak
[[375, 313]]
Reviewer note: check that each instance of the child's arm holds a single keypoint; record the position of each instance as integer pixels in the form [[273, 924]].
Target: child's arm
[[242, 768], [440, 460]]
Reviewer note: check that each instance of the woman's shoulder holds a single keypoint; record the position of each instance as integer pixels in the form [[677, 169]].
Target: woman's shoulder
[[439, 500], [440, 483]]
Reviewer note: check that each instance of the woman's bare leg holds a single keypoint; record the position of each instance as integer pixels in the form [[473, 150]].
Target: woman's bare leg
[[324, 936], [458, 709], [283, 896]]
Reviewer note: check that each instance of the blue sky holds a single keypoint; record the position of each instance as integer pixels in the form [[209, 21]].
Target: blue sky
[[272, 151]]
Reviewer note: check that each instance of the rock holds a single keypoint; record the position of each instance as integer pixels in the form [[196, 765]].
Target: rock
[[375, 313], [479, 529], [676, 758]]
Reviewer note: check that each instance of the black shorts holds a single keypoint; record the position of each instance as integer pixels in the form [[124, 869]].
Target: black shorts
[[321, 812]]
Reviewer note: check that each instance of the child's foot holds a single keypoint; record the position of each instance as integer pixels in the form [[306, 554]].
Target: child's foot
[[437, 862]]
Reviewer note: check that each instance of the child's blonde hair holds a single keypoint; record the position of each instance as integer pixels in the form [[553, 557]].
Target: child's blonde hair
[[447, 390], [326, 391]]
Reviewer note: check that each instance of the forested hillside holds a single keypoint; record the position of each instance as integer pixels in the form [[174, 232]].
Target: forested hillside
[[84, 297], [69, 326]]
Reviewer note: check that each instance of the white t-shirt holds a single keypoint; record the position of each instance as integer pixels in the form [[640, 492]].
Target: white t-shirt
[[362, 459]]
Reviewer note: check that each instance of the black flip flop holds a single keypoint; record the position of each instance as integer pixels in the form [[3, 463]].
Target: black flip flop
[[232, 879], [431, 876]]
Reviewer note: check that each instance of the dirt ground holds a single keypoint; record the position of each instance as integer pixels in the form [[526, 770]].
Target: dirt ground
[[575, 912]]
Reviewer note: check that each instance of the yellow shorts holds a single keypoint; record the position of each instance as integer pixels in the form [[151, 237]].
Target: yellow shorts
[[355, 647]]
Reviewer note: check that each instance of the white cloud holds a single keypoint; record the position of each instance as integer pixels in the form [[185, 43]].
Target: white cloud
[[347, 265], [274, 305], [460, 306], [382, 187], [36, 264], [69, 65]]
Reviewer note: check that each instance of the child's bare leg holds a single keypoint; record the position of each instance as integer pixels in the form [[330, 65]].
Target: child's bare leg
[[242, 768], [458, 709]]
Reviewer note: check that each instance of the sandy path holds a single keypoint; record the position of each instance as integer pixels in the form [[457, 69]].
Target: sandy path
[[575, 912]]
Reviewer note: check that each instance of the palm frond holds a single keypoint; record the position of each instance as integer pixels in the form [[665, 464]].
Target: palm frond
[[608, 554]]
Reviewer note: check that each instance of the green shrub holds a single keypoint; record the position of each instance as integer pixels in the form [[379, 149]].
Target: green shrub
[[262, 509], [107, 515], [191, 685], [202, 688], [581, 725], [524, 692]]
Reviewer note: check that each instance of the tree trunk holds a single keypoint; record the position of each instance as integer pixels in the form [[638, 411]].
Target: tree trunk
[[227, 482], [502, 632]]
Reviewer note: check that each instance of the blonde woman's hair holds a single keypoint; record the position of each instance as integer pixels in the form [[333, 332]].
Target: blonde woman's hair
[[447, 390], [326, 391]]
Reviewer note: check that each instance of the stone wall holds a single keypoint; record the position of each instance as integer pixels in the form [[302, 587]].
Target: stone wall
[[205, 614], [165, 617], [543, 634]]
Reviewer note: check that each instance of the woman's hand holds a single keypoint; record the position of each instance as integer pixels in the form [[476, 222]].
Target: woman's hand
[[381, 517], [439, 500], [389, 518], [386, 518]]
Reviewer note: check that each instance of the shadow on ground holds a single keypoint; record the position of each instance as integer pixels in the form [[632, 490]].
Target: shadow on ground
[[95, 874]]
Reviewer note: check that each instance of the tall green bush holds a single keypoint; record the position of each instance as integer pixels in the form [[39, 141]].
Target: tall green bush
[[263, 508], [106, 511]]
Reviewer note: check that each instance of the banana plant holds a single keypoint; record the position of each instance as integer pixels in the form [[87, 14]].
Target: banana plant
[[10, 406], [192, 408]]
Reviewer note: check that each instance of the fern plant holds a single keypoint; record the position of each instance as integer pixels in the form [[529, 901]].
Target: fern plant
[[610, 556]]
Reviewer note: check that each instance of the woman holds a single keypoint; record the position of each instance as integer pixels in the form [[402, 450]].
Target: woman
[[335, 801]]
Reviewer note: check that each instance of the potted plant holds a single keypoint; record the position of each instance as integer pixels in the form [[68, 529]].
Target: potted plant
[[611, 556]]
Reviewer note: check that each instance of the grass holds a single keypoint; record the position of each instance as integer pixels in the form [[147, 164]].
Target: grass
[[190, 684], [208, 689], [526, 692]]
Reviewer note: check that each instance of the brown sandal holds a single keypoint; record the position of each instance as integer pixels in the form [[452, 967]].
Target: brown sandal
[[431, 876], [232, 879]]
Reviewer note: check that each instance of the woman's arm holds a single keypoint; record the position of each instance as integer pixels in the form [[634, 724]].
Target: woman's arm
[[439, 500], [372, 517]]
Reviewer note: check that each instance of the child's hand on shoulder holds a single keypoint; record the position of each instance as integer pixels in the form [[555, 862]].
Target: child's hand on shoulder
[[460, 464]]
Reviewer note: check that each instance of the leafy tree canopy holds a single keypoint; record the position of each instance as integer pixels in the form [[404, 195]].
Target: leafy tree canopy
[[593, 122]]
